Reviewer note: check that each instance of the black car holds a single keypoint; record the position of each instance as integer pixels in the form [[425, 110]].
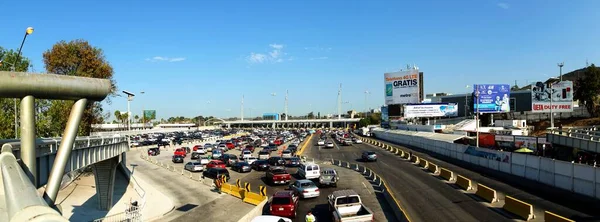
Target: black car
[[153, 151], [214, 173], [241, 167], [293, 148], [276, 161], [272, 147], [178, 159], [292, 162], [260, 165], [195, 155]]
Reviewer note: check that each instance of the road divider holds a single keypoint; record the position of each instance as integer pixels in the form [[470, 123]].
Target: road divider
[[423, 163], [251, 197], [447, 174], [518, 207], [432, 168], [414, 159], [488, 194], [464, 183], [552, 217]]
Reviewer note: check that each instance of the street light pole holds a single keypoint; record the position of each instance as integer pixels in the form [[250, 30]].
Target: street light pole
[[477, 115], [129, 98], [28, 31], [466, 101], [143, 114], [560, 65]]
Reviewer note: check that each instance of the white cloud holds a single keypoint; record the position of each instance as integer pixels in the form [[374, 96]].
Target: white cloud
[[320, 58], [503, 5], [318, 48], [165, 59], [274, 56]]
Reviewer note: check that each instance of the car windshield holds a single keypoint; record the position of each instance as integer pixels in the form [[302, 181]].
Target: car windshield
[[306, 185], [281, 201], [295, 159], [347, 200], [370, 153], [196, 164]]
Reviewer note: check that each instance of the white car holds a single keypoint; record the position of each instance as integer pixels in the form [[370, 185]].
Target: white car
[[286, 154], [250, 160], [321, 143], [264, 145], [203, 160], [245, 154], [358, 141], [201, 151], [329, 145], [194, 166]]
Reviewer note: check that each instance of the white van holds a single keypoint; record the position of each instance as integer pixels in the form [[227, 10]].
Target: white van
[[309, 171]]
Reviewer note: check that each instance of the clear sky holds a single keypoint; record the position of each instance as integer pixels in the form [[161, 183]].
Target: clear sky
[[199, 57]]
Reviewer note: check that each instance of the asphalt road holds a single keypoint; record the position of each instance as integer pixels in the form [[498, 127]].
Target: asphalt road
[[423, 197], [541, 196], [349, 180], [191, 199]]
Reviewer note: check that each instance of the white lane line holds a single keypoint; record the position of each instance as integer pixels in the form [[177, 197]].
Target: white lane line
[[363, 183], [335, 144]]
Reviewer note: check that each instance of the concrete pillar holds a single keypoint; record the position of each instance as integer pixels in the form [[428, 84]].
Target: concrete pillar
[[273, 125], [104, 174], [331, 124]]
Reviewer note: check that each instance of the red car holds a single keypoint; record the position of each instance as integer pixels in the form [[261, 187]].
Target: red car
[[215, 164], [196, 147], [230, 145], [278, 175], [284, 204], [278, 142], [180, 152]]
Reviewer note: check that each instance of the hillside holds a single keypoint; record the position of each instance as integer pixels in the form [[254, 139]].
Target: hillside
[[540, 127]]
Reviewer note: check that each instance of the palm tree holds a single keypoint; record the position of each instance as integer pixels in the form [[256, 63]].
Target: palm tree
[[136, 117], [118, 117]]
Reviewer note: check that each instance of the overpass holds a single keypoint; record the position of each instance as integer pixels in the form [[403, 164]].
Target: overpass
[[29, 163], [344, 122]]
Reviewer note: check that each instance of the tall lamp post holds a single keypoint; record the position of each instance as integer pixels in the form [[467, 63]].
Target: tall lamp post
[[28, 31], [466, 102], [273, 95], [477, 115], [130, 96], [560, 65], [143, 114]]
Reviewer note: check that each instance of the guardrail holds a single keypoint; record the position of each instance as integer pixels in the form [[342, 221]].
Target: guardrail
[[578, 178], [511, 205]]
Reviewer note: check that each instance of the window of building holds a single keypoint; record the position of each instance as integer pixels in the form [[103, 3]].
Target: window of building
[[513, 104]]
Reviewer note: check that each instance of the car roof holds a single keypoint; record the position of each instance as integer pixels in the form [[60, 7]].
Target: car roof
[[286, 193], [304, 181]]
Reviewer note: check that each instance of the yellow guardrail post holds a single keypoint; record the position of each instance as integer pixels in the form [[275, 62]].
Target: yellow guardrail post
[[432, 168], [423, 163], [447, 174], [488, 194], [464, 183], [552, 217], [518, 207], [237, 183], [263, 191]]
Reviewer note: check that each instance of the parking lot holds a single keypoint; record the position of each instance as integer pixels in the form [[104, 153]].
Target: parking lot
[[348, 180]]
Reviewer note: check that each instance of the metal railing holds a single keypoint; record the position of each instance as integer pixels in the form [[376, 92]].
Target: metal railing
[[131, 214]]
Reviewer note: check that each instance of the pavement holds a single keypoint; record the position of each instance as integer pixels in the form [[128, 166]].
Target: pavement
[[349, 180], [422, 196], [541, 196]]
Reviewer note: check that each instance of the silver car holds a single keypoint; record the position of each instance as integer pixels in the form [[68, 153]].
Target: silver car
[[305, 188], [194, 166]]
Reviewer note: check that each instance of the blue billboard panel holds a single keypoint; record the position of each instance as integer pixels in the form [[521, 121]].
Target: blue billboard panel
[[491, 98], [385, 118]]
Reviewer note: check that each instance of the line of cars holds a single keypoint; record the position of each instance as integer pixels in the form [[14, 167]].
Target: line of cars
[[342, 137]]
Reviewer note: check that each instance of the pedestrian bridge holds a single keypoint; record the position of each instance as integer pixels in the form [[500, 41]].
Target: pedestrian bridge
[[20, 194]]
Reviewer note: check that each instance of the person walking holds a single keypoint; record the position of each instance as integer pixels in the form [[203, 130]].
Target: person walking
[[310, 217]]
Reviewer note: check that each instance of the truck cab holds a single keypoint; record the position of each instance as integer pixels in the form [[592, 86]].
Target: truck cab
[[346, 206]]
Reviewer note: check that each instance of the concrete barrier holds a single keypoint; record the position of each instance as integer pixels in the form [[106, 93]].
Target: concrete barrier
[[414, 159], [518, 207], [253, 198], [464, 183], [423, 163], [488, 194], [552, 217], [255, 212], [446, 174], [432, 168]]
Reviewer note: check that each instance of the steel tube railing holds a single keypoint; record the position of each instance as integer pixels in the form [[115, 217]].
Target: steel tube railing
[[22, 200]]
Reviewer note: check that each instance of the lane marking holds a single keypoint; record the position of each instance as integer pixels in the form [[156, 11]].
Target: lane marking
[[305, 143]]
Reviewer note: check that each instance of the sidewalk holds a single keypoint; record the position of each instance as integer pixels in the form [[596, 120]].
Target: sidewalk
[[79, 203]]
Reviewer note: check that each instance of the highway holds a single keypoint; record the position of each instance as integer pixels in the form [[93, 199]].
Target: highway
[[423, 197], [349, 180]]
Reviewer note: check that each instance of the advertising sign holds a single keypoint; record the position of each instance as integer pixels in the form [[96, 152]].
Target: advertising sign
[[526, 141], [504, 138], [488, 154], [385, 118], [431, 110], [149, 114], [402, 87], [491, 98], [560, 92]]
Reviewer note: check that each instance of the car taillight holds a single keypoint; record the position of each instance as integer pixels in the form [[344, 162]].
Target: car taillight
[[317, 190], [306, 191]]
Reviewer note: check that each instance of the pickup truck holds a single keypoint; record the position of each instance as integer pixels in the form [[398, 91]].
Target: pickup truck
[[346, 206], [278, 175]]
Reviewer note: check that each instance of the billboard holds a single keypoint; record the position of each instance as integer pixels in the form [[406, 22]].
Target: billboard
[[385, 118], [402, 87], [561, 94], [491, 98], [431, 110], [149, 114]]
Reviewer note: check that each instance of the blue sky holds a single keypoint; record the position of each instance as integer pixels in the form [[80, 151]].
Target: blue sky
[[184, 54]]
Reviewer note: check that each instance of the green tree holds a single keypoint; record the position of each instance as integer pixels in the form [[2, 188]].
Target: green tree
[[136, 117], [77, 58], [311, 115], [364, 122], [586, 90]]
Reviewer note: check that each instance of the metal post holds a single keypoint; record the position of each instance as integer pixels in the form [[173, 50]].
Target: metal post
[[129, 98], [64, 151], [28, 151], [16, 120], [551, 106], [477, 116]]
